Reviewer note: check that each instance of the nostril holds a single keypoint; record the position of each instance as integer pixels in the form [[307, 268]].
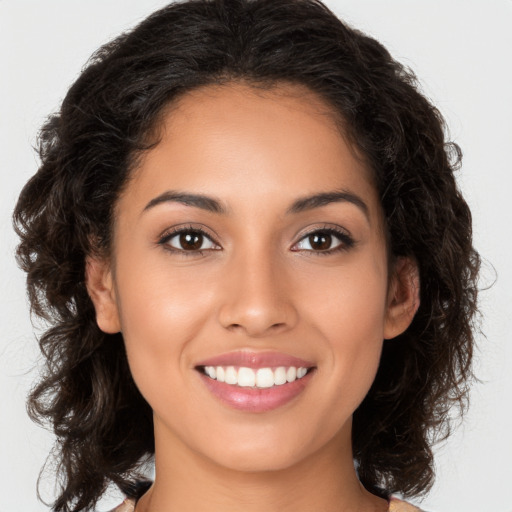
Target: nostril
[[256, 318], [255, 330]]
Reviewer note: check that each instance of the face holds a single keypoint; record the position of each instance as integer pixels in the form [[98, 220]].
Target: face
[[249, 278]]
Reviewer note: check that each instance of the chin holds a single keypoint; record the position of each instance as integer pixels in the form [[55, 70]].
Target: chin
[[264, 451], [258, 461]]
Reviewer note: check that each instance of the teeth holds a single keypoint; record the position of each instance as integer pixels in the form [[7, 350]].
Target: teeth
[[246, 377], [301, 372], [291, 374], [264, 378], [249, 378], [231, 375], [280, 376]]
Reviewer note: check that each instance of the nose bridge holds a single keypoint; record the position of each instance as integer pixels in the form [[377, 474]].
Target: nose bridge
[[257, 298]]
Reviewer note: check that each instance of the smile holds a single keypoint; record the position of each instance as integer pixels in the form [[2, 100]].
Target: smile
[[255, 382], [260, 378]]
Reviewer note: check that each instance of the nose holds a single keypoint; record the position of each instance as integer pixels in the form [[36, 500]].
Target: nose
[[257, 296]]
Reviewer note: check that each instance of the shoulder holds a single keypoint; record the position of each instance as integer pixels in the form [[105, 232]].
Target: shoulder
[[396, 505], [128, 505]]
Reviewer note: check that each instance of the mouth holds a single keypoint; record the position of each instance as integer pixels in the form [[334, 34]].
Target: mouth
[[256, 382]]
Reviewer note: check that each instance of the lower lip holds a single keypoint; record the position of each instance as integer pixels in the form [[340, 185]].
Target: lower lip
[[255, 399]]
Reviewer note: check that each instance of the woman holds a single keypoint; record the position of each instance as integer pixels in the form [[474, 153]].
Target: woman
[[258, 268]]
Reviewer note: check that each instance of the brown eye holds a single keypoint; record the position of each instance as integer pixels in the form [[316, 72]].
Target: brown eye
[[320, 241], [325, 241], [191, 241]]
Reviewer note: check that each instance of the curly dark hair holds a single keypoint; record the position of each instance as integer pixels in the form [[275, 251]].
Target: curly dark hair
[[87, 151]]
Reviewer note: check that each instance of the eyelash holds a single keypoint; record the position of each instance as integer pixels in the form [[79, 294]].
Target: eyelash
[[169, 235], [346, 241]]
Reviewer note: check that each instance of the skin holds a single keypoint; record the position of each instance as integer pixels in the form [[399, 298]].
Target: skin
[[260, 286]]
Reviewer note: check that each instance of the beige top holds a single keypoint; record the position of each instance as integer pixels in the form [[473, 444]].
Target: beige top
[[395, 505]]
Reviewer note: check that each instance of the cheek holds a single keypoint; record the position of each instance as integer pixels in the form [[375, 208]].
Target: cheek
[[161, 312], [350, 315], [154, 294]]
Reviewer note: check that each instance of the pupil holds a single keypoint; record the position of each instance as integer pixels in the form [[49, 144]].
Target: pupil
[[191, 241], [320, 241]]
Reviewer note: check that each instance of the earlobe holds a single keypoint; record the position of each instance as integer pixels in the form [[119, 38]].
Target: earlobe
[[403, 297], [100, 286]]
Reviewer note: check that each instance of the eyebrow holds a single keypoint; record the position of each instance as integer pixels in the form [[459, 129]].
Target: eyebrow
[[325, 198], [302, 204], [197, 200]]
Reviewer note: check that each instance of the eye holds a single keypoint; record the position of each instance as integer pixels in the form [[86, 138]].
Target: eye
[[188, 240], [324, 241]]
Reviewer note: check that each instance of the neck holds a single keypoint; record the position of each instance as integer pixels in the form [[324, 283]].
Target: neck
[[187, 482]]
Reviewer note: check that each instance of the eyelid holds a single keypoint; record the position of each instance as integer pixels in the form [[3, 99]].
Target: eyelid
[[342, 234], [170, 233]]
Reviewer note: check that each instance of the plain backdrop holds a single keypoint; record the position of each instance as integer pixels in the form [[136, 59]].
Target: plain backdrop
[[461, 50]]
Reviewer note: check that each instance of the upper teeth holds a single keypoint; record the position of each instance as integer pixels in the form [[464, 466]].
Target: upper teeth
[[261, 378]]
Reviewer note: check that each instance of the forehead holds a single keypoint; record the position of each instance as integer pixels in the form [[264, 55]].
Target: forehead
[[238, 141], [246, 97]]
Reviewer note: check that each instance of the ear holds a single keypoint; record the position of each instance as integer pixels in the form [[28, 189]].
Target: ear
[[403, 297], [100, 286]]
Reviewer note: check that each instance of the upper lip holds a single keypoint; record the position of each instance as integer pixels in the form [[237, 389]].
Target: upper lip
[[250, 359]]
